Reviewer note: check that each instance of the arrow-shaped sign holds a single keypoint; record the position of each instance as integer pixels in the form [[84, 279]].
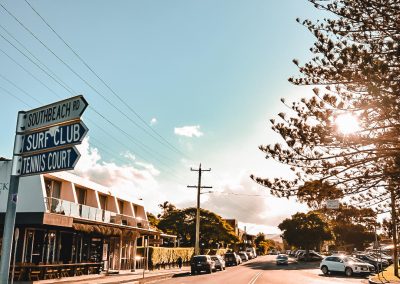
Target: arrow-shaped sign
[[54, 137], [51, 161], [62, 111]]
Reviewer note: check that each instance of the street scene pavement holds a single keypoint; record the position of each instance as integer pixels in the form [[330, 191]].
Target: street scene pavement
[[263, 269]]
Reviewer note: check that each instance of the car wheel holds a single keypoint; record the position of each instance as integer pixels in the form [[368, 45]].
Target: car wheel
[[348, 271], [325, 270], [193, 272]]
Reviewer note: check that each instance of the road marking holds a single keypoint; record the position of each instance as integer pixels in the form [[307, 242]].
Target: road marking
[[255, 277]]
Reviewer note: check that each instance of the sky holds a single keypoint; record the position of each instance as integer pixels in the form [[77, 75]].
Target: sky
[[186, 82]]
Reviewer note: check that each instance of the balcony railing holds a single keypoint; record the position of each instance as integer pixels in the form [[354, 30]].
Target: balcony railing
[[72, 209]]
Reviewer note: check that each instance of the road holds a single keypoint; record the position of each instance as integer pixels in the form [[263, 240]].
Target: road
[[263, 270]]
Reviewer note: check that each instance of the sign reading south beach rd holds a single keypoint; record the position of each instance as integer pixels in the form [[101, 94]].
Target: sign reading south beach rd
[[51, 161], [53, 137], [62, 111]]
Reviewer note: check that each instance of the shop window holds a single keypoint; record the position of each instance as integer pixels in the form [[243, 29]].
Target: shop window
[[34, 249]]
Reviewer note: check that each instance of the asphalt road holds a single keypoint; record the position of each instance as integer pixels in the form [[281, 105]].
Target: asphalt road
[[263, 270]]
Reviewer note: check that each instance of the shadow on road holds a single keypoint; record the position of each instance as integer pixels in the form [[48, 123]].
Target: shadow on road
[[342, 275], [271, 265], [181, 275]]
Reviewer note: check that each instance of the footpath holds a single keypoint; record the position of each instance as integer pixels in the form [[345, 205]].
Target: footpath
[[128, 278]]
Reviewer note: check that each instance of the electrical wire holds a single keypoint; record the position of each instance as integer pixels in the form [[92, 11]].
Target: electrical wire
[[80, 77], [105, 84]]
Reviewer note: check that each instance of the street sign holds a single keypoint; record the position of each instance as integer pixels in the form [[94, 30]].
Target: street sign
[[62, 111], [332, 204], [51, 161], [53, 137]]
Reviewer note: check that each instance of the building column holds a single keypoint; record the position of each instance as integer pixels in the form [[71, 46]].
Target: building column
[[134, 254]]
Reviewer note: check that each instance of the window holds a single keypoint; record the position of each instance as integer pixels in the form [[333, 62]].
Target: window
[[121, 206], [53, 188], [81, 195], [103, 201]]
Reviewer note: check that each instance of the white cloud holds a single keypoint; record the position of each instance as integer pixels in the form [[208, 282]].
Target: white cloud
[[129, 156], [189, 131], [242, 199], [153, 121], [134, 180]]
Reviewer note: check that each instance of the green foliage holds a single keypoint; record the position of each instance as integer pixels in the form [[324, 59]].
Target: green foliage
[[213, 229], [152, 219], [355, 71], [350, 225], [305, 230]]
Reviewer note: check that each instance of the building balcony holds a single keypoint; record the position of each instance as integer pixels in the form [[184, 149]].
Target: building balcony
[[81, 211]]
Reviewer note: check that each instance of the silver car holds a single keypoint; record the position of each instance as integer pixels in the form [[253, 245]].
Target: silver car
[[219, 262]]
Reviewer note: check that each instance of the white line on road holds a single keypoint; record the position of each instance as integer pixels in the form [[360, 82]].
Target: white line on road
[[254, 279]]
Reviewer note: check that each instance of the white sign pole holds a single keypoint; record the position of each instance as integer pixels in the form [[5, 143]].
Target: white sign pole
[[9, 221]]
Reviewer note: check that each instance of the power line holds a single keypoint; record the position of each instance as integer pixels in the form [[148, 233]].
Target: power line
[[107, 85], [37, 59], [30, 73], [80, 77], [66, 87]]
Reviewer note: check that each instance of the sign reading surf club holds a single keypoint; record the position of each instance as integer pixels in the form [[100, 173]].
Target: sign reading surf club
[[49, 135]]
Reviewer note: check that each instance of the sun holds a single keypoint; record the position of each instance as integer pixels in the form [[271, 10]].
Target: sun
[[347, 123]]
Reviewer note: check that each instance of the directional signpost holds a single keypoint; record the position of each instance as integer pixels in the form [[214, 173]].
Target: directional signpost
[[44, 142], [53, 137]]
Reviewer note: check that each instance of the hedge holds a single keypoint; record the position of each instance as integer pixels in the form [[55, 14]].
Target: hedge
[[160, 255]]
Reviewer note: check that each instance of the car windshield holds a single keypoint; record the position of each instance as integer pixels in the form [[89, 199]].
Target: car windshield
[[282, 257], [214, 258], [200, 258]]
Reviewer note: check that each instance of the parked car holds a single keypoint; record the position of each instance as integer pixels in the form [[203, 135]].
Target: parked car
[[219, 262], [243, 256], [232, 258], [312, 256], [348, 265], [282, 259], [239, 259], [377, 263], [253, 251], [384, 256], [249, 254], [200, 263]]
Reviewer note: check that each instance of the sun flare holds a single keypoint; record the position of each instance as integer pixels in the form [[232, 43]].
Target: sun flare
[[347, 123]]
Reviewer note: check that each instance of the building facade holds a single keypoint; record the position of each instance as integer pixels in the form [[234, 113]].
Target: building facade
[[65, 219]]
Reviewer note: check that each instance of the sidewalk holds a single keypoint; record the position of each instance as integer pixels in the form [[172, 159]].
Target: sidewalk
[[387, 277], [129, 277]]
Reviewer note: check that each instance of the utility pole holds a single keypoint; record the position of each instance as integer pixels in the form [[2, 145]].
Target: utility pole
[[199, 187], [394, 223]]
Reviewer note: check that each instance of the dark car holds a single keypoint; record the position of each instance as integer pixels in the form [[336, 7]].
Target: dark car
[[202, 263], [231, 259], [379, 265], [282, 259], [312, 256], [377, 255]]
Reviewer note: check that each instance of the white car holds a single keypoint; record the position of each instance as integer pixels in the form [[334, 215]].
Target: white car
[[348, 265]]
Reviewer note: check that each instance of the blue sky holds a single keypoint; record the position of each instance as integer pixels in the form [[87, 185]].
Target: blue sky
[[215, 67]]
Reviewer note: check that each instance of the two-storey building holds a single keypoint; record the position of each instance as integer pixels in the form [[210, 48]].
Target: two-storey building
[[65, 219]]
